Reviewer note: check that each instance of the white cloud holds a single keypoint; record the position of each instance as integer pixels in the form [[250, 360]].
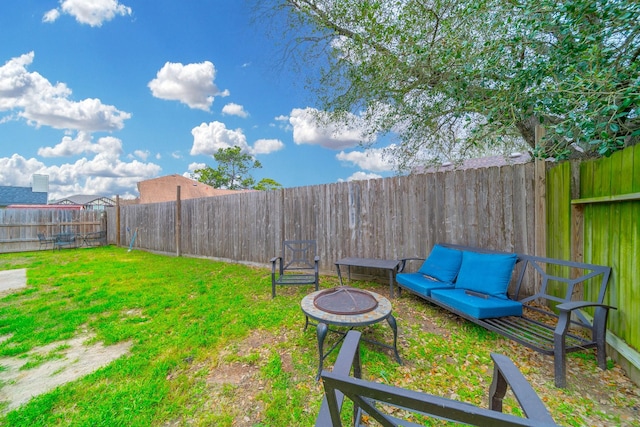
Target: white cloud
[[372, 159], [232, 109], [82, 144], [266, 146], [191, 84], [191, 170], [142, 154], [208, 138], [104, 174], [363, 176], [308, 130], [44, 104], [192, 167], [51, 15], [90, 12], [17, 171]]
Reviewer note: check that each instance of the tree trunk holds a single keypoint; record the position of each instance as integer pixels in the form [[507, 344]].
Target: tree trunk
[[527, 128]]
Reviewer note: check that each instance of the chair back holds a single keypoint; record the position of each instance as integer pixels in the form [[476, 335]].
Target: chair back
[[298, 254]]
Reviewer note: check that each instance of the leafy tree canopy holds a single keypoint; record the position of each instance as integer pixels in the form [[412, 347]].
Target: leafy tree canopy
[[454, 77], [233, 172]]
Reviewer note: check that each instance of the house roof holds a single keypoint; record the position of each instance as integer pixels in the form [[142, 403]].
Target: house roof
[[21, 195], [163, 189], [59, 207], [85, 200]]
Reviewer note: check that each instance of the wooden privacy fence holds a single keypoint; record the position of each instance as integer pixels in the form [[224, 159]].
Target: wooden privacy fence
[[594, 216], [382, 218], [19, 228]]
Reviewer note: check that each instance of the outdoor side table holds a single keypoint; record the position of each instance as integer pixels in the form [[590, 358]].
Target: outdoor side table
[[382, 311], [385, 264]]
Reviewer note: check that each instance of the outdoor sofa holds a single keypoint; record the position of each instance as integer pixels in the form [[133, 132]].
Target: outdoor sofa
[[474, 283]]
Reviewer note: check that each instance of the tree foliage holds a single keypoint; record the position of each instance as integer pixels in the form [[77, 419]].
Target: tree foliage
[[450, 77], [233, 172]]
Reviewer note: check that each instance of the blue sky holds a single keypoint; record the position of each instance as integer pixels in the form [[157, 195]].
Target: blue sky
[[102, 94]]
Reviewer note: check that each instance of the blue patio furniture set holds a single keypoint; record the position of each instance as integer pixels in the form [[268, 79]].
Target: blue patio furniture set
[[473, 283]]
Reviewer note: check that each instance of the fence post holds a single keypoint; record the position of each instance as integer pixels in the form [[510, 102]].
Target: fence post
[[577, 223], [178, 221], [540, 191], [117, 220]]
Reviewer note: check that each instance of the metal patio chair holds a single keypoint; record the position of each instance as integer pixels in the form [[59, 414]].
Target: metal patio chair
[[45, 241], [297, 265]]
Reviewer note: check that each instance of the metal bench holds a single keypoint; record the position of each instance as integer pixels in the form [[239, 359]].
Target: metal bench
[[95, 238], [563, 285], [374, 399], [65, 239]]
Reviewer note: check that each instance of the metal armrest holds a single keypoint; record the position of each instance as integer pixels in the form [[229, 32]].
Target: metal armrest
[[273, 263], [598, 330], [349, 356], [403, 262], [575, 305], [564, 317], [506, 374]]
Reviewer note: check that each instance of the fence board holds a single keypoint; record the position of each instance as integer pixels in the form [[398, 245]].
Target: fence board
[[19, 228]]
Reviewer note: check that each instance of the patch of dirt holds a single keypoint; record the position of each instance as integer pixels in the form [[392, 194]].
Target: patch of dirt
[[64, 361], [238, 368], [240, 374], [13, 280]]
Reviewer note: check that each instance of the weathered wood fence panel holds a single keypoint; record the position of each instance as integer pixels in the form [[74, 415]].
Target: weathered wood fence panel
[[153, 226], [19, 228], [382, 218]]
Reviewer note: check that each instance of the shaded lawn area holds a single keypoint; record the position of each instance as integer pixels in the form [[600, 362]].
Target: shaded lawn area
[[208, 346]]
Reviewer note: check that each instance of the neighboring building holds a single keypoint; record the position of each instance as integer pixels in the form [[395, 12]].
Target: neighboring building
[[164, 189], [88, 202], [35, 195]]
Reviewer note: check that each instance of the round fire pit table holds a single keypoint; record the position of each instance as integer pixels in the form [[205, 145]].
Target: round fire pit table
[[348, 307]]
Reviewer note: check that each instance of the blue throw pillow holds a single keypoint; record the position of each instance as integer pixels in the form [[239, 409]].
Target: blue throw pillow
[[442, 264], [486, 273]]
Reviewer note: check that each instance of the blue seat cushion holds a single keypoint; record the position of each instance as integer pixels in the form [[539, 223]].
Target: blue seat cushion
[[486, 273], [421, 284], [477, 306], [442, 264]]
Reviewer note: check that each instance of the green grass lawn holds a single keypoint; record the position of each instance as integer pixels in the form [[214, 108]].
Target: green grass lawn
[[209, 346]]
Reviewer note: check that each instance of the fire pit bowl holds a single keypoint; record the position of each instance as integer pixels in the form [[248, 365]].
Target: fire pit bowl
[[345, 300]]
